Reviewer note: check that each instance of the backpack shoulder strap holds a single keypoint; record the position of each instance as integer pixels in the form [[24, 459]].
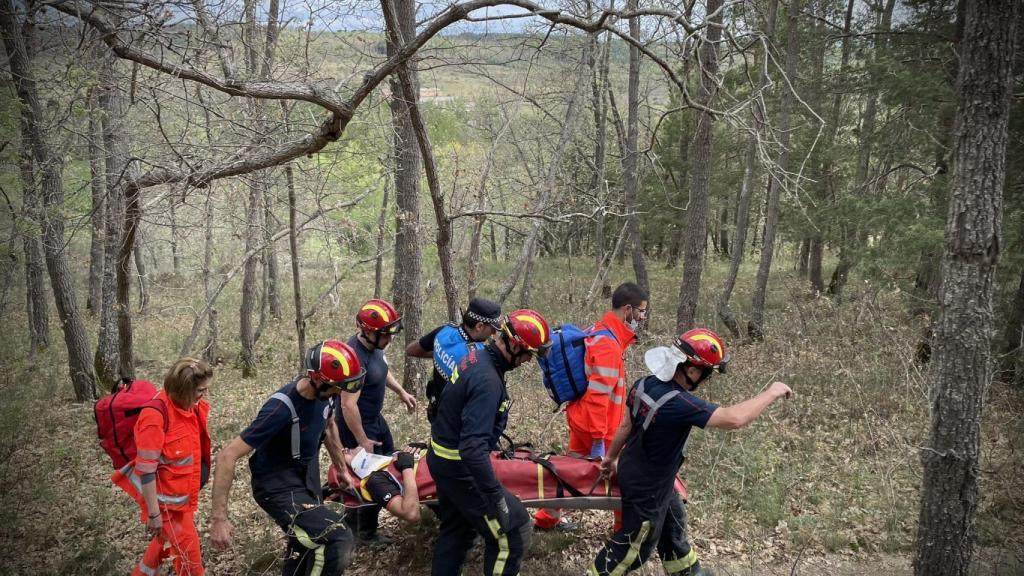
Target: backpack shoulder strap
[[157, 405], [287, 401]]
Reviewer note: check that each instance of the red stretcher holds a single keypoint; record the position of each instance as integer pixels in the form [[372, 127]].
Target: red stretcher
[[539, 481]]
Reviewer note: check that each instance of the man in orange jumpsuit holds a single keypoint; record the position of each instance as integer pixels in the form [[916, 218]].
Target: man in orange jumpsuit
[[594, 418]]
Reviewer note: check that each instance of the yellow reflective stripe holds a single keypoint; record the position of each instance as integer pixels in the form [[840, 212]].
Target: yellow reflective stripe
[[502, 559], [680, 564], [336, 354], [383, 313], [446, 453], [318, 549], [634, 550], [593, 571], [540, 482]]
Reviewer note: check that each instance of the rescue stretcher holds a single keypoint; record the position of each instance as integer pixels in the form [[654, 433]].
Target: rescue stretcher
[[539, 481]]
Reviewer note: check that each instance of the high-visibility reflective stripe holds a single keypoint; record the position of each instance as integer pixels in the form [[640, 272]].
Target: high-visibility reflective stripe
[[446, 453], [173, 499], [186, 461], [593, 571], [601, 371], [145, 468], [502, 559], [318, 549], [540, 482], [609, 390], [680, 564], [634, 550], [147, 570], [149, 454]]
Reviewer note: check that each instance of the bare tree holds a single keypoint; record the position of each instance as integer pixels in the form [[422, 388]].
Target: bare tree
[[961, 370], [97, 185], [703, 146], [755, 327], [49, 167], [409, 88], [630, 160], [406, 283]]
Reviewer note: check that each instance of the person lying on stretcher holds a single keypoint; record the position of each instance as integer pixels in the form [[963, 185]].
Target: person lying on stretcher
[[369, 478]]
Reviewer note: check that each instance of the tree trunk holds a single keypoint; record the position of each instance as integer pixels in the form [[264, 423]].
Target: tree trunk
[[755, 327], [36, 304], [175, 256], [703, 147], [548, 189], [598, 81], [410, 91], [850, 249], [382, 229], [631, 157], [962, 356], [815, 252], [140, 268], [115, 147], [273, 293], [97, 186], [210, 349], [52, 187], [293, 246], [472, 267], [1013, 341], [253, 232], [406, 282], [757, 114]]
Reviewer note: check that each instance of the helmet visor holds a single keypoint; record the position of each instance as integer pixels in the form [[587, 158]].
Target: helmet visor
[[350, 384], [392, 329]]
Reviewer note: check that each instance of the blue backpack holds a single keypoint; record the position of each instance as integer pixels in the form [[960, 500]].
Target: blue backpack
[[565, 376]]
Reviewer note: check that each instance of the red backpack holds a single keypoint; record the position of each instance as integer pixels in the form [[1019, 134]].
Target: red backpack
[[117, 413]]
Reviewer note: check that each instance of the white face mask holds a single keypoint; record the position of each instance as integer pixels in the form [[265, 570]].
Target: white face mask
[[632, 324]]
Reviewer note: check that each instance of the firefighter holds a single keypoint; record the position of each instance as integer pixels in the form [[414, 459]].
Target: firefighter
[[470, 419], [171, 466], [284, 441], [649, 446], [448, 343], [594, 418], [361, 418]]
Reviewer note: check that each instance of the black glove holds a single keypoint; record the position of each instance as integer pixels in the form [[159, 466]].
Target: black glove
[[405, 461], [498, 510]]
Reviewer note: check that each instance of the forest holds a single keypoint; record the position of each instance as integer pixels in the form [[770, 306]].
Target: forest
[[836, 187]]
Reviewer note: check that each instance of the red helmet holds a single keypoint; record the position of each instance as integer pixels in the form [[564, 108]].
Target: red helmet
[[529, 330], [704, 349], [379, 316], [336, 363]]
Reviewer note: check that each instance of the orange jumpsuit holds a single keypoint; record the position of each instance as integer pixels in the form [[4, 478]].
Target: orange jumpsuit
[[597, 415], [176, 450]]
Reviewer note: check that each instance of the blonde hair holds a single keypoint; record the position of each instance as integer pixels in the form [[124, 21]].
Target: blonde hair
[[184, 377]]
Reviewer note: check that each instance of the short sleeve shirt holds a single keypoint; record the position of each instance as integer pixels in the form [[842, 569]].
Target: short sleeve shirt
[[272, 465], [371, 398], [658, 451], [382, 487]]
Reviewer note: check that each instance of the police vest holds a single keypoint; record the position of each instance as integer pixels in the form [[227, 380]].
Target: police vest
[[451, 345]]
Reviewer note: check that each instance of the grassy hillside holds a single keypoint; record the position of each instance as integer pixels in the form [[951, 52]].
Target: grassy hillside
[[832, 473]]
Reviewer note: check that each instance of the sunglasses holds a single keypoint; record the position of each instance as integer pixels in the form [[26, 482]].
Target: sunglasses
[[391, 329]]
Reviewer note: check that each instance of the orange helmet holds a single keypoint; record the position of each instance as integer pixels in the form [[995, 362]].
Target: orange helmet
[[704, 349], [336, 364], [379, 316], [528, 329]]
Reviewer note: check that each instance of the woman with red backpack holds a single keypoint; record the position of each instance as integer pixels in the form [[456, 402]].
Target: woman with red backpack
[[172, 464]]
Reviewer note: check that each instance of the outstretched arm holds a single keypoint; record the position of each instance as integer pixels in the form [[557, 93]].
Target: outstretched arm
[[739, 415]]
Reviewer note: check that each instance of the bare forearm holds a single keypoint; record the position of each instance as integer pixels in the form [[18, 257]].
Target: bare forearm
[[393, 385], [354, 421], [332, 441], [411, 496], [223, 478]]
